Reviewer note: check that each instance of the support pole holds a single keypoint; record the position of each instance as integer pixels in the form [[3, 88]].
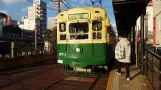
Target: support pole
[[58, 6], [35, 40], [12, 49], [133, 46], [142, 44]]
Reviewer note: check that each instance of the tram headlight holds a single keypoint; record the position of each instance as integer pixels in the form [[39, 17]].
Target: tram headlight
[[78, 50]]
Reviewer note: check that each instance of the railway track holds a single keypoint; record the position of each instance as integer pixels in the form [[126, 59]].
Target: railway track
[[51, 77], [26, 69], [21, 75], [69, 82]]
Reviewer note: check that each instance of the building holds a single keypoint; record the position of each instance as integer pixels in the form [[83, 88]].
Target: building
[[157, 21], [4, 20], [9, 28], [52, 22], [26, 23], [40, 15], [148, 23], [14, 22], [37, 16]]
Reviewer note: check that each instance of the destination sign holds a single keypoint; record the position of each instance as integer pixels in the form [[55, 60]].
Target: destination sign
[[78, 16]]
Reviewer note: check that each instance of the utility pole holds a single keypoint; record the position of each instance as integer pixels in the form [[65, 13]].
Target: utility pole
[[35, 30], [58, 6]]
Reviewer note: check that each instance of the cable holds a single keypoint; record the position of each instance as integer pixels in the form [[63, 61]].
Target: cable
[[96, 1], [62, 3], [79, 3], [67, 3]]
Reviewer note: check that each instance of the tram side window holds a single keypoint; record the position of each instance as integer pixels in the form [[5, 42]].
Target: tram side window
[[72, 37], [97, 35], [97, 25], [62, 27], [62, 37]]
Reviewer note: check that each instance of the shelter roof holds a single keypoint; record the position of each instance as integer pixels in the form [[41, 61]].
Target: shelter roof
[[127, 12]]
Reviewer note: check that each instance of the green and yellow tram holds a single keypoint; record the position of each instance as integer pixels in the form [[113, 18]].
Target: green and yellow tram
[[84, 37]]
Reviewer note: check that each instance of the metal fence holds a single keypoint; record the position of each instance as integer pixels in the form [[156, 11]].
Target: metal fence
[[151, 65], [152, 68]]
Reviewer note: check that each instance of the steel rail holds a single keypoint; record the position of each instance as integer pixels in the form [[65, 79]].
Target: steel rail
[[26, 69], [61, 79], [29, 77], [94, 83]]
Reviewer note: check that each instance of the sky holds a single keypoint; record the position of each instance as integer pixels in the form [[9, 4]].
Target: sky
[[18, 8]]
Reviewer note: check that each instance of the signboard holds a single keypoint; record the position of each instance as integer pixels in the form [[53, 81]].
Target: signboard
[[78, 16]]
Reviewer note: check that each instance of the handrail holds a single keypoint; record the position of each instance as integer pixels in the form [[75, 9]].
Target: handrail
[[154, 54], [155, 68]]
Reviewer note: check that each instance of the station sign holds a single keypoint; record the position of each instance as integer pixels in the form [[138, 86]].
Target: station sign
[[78, 16]]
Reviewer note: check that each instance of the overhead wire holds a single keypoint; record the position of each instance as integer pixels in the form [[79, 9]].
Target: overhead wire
[[78, 3], [67, 3], [50, 4], [96, 1]]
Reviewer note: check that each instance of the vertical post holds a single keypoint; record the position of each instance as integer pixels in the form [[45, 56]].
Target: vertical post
[[58, 6], [134, 55], [131, 42], [35, 30], [142, 44], [35, 40], [12, 49], [154, 31]]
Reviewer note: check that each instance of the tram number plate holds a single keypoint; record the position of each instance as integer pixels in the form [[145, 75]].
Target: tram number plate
[[60, 61], [62, 54]]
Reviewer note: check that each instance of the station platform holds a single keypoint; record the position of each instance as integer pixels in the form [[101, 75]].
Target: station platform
[[137, 80]]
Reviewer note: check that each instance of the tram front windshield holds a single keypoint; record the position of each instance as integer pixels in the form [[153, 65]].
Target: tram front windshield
[[78, 30]]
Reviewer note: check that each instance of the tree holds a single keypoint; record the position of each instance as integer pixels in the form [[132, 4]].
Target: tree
[[50, 35]]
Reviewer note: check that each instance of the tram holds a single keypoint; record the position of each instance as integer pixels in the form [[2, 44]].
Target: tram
[[85, 38]]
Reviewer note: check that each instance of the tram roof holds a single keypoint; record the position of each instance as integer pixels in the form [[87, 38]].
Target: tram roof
[[96, 11], [86, 8], [127, 12]]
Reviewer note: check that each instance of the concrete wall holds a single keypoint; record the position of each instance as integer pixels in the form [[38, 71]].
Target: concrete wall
[[158, 29], [28, 24], [157, 16], [149, 23]]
